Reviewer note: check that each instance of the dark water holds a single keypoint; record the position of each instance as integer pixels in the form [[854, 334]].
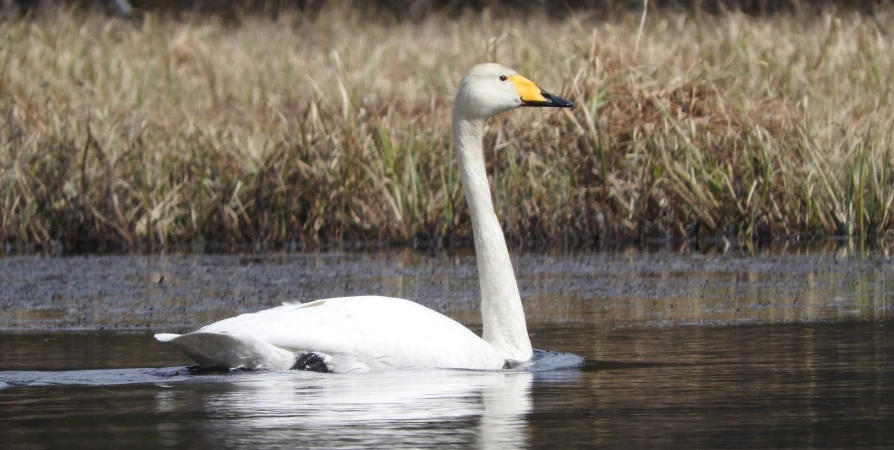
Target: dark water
[[770, 386], [789, 351]]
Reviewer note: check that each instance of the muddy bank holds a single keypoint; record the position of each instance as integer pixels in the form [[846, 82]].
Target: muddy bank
[[612, 289]]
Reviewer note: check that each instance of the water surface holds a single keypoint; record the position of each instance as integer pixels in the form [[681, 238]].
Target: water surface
[[773, 386], [685, 351]]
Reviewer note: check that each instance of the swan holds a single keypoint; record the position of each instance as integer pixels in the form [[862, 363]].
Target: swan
[[372, 333]]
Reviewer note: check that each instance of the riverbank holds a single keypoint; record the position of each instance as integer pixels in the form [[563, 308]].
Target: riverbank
[[335, 128], [622, 289]]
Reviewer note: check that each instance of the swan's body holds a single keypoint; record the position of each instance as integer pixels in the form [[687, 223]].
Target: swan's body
[[353, 334]]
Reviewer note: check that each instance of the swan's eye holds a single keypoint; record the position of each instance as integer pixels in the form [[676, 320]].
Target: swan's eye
[[503, 78]]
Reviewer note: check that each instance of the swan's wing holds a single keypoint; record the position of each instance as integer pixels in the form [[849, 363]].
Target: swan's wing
[[228, 350], [366, 334]]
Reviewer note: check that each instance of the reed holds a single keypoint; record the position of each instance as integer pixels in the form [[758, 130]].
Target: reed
[[336, 127]]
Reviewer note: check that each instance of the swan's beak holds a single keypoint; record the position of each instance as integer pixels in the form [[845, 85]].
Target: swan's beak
[[532, 95]]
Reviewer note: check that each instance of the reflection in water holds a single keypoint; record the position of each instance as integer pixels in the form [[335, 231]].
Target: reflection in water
[[413, 408], [407, 408], [782, 386]]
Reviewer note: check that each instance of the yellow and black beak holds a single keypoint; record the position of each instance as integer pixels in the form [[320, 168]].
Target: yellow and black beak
[[532, 95]]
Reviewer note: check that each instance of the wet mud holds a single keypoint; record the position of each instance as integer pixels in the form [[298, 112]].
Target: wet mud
[[612, 289]]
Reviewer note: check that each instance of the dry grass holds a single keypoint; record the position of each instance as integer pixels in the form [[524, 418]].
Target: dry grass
[[160, 132]]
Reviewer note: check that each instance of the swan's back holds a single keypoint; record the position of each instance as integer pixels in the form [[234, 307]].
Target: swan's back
[[360, 334]]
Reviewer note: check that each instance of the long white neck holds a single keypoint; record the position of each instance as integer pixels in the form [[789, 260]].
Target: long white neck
[[501, 309]]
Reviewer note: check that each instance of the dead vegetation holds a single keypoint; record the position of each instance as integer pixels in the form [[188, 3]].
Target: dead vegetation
[[127, 135]]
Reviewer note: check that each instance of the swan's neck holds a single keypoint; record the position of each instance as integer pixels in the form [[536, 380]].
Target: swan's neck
[[501, 308]]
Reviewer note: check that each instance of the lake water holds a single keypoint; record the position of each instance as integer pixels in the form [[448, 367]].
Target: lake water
[[685, 349]]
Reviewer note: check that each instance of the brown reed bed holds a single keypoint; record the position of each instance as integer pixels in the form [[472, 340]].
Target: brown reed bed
[[335, 128]]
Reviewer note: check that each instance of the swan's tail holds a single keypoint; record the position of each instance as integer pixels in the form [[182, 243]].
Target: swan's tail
[[229, 351]]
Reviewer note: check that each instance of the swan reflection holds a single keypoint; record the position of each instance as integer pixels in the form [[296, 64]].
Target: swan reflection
[[409, 408]]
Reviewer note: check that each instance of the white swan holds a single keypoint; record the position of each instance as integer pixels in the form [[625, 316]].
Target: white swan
[[361, 334]]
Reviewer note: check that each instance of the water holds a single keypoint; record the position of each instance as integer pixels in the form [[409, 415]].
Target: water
[[790, 350]]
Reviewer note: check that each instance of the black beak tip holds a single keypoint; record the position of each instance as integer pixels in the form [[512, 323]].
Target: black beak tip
[[558, 102]]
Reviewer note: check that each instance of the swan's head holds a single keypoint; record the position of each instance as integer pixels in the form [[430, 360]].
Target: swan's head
[[489, 89]]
